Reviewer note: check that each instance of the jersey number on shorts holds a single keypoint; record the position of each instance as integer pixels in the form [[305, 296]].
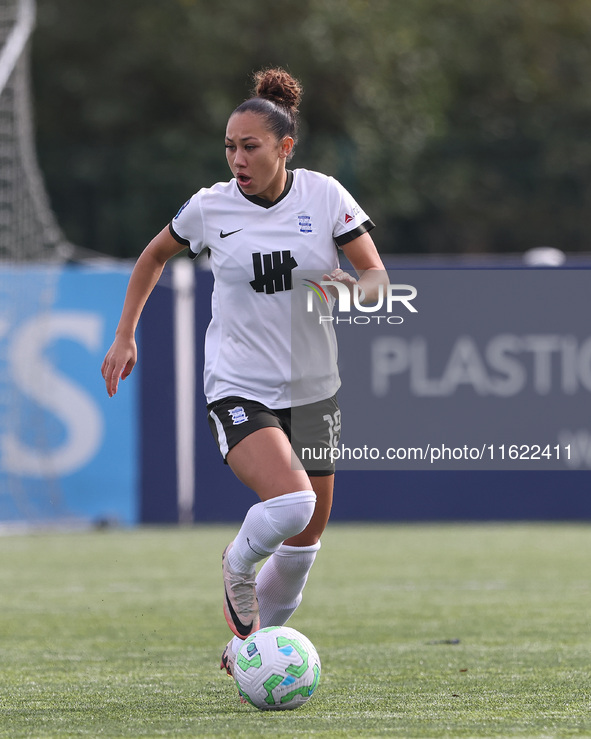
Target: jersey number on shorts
[[272, 272], [334, 427]]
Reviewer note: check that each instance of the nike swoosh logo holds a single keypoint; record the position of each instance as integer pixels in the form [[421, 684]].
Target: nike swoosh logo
[[225, 235], [242, 629], [259, 554]]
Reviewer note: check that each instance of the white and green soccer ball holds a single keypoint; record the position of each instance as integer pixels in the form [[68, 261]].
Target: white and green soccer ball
[[277, 668]]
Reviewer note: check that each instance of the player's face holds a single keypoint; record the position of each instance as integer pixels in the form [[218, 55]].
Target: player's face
[[256, 158]]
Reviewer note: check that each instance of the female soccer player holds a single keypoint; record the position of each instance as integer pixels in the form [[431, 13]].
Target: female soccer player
[[263, 228]]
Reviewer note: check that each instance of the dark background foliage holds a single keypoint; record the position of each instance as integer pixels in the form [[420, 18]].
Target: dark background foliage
[[460, 127]]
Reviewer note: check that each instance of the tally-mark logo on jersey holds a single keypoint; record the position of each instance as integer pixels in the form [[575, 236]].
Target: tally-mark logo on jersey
[[388, 298], [238, 415], [272, 272]]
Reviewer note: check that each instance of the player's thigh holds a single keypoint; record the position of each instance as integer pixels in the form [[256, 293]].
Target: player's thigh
[[323, 487], [265, 462]]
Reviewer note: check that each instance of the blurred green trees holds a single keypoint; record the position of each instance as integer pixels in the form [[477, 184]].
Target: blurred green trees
[[459, 126]]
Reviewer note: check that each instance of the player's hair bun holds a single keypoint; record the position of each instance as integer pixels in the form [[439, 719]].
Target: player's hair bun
[[276, 97], [279, 86]]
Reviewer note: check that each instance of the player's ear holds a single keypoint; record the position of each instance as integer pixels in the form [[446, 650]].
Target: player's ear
[[286, 147]]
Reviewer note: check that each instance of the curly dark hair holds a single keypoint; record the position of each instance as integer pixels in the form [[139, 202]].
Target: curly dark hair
[[276, 97], [279, 86]]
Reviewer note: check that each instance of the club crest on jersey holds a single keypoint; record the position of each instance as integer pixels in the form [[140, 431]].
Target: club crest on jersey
[[238, 415], [305, 224]]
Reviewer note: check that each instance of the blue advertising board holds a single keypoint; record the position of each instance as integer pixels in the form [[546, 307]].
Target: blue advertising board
[[390, 398], [68, 453]]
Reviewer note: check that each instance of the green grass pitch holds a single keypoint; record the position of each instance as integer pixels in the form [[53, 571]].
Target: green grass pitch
[[119, 634]]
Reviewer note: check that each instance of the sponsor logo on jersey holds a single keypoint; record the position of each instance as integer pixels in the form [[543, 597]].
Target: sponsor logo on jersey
[[272, 272], [350, 216], [238, 415]]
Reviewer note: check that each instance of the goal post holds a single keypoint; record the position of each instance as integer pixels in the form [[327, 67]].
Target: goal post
[[32, 250]]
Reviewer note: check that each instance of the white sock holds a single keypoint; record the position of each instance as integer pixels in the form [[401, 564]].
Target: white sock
[[269, 523], [281, 581]]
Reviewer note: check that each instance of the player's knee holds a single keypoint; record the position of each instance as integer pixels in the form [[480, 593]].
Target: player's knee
[[289, 514]]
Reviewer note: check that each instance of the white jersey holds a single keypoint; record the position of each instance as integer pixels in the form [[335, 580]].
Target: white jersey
[[265, 340]]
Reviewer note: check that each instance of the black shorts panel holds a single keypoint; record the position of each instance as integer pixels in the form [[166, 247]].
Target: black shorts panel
[[312, 429]]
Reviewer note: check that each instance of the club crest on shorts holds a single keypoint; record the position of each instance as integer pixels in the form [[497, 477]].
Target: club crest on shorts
[[238, 415]]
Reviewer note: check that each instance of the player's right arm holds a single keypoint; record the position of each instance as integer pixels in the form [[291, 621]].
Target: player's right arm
[[122, 356]]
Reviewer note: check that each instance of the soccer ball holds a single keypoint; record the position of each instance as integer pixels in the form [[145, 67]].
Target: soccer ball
[[277, 668]]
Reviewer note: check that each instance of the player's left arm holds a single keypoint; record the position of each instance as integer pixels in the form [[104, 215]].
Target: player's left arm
[[364, 257]]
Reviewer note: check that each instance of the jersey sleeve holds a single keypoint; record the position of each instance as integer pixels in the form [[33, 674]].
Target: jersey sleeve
[[351, 220], [187, 226]]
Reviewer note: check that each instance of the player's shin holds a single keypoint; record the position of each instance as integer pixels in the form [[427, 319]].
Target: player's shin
[[266, 526], [281, 581]]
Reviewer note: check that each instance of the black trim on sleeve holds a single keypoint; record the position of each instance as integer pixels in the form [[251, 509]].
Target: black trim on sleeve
[[176, 237], [183, 242], [350, 235]]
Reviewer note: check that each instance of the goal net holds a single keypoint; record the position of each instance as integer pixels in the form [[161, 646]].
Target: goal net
[[31, 248], [27, 227]]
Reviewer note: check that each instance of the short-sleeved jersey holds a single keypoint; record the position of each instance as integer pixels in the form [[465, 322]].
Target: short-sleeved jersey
[[265, 341]]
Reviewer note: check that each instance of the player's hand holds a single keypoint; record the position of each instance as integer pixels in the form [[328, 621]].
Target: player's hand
[[118, 363], [339, 275]]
